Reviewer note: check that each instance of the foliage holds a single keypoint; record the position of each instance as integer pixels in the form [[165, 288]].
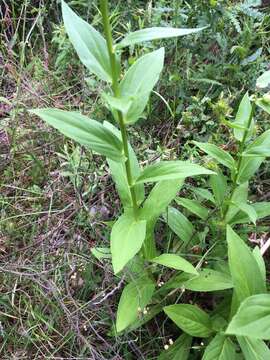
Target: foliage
[[181, 246], [127, 99]]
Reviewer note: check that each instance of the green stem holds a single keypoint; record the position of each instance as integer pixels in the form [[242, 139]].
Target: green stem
[[239, 162], [116, 91]]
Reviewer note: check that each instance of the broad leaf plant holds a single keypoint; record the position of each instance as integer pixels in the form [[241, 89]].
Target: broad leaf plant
[[240, 321]]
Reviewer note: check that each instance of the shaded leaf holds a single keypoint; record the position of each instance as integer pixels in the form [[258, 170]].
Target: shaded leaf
[[179, 350]]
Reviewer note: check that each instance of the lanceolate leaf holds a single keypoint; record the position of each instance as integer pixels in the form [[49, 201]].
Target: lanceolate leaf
[[134, 298], [139, 81], [260, 146], [175, 262], [218, 183], [86, 131], [159, 198], [179, 350], [217, 153], [89, 44], [179, 224], [248, 168], [190, 319], [245, 272], [204, 193], [193, 206], [253, 349], [209, 280], [262, 210], [240, 195], [119, 173], [166, 170], [220, 348], [252, 318], [127, 237], [153, 34], [249, 210], [243, 117]]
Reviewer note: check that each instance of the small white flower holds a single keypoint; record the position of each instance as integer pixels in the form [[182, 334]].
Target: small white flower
[[170, 341], [166, 347]]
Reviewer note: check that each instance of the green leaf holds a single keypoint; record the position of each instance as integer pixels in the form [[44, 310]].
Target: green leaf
[[252, 318], [217, 153], [264, 104], [260, 261], [240, 195], [101, 253], [135, 296], [121, 104], [245, 272], [220, 348], [209, 280], [260, 146], [242, 118], [264, 80], [218, 185], [262, 210], [179, 350], [118, 173], [253, 349], [248, 168], [249, 210], [193, 206], [179, 224], [159, 198], [138, 83], [86, 131], [89, 44], [175, 262], [127, 237], [190, 319], [154, 33], [204, 194], [169, 170]]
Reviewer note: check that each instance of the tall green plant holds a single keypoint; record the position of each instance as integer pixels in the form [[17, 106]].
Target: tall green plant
[[241, 284], [127, 98]]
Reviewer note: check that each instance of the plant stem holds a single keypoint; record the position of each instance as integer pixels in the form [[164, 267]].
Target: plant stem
[[239, 162], [116, 91]]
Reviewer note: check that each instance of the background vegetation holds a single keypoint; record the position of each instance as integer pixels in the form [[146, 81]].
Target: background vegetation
[[57, 300]]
